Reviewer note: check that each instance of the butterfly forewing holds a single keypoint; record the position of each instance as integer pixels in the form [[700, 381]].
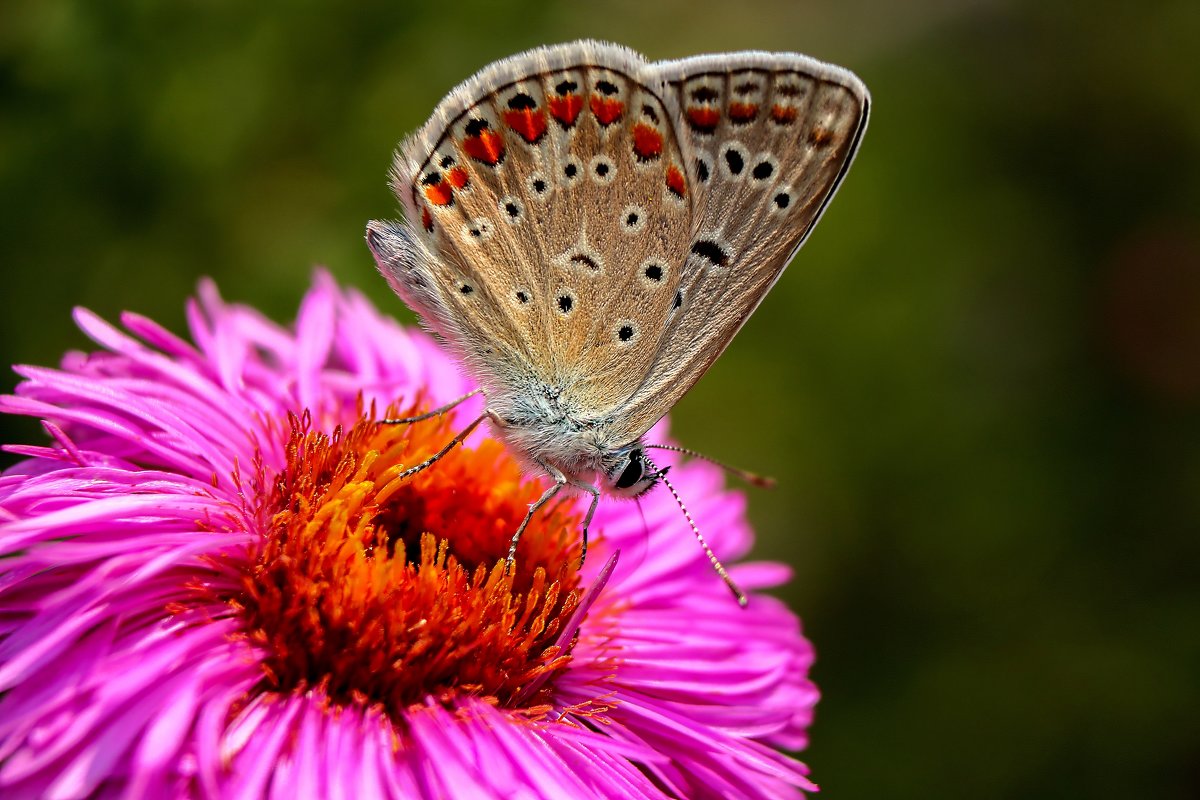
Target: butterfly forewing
[[771, 135], [552, 192]]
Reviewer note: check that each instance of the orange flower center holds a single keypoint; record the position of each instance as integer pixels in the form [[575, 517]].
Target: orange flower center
[[387, 590]]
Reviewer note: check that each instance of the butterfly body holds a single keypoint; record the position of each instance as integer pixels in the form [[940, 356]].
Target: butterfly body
[[548, 420], [588, 231]]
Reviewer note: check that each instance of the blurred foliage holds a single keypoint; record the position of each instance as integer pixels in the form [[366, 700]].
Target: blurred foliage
[[979, 385]]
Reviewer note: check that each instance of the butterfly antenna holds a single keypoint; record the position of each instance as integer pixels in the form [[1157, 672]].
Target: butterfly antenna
[[437, 412], [712, 557], [754, 479]]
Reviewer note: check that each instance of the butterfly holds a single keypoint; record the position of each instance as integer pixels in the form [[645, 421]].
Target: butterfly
[[587, 231]]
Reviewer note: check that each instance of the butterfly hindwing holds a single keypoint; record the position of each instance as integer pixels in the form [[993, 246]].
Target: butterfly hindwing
[[772, 136], [549, 196]]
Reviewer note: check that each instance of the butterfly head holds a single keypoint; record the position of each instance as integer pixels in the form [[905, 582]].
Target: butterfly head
[[627, 472]]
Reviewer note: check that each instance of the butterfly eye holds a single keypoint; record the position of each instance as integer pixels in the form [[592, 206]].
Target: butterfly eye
[[633, 471]]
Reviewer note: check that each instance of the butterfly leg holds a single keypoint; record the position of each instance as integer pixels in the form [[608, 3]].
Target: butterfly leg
[[560, 481], [457, 440], [437, 412], [594, 491]]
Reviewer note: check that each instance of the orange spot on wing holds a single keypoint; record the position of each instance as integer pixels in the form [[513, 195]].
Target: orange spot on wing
[[743, 112], [675, 181], [704, 118], [529, 122], [457, 177], [487, 146], [784, 115], [647, 142], [607, 111], [566, 108], [440, 193], [819, 137]]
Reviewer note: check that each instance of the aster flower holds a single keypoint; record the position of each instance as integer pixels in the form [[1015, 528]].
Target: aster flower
[[214, 583]]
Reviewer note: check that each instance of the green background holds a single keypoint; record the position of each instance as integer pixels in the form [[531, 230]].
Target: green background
[[979, 384]]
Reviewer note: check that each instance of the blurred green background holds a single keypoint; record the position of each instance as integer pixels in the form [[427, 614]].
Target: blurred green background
[[979, 384]]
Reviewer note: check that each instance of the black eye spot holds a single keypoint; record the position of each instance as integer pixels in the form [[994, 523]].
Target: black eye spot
[[625, 333], [569, 170], [702, 169], [566, 86], [678, 300], [707, 248], [650, 113], [632, 472], [476, 232], [585, 260], [432, 179], [782, 199], [476, 127], [447, 162], [539, 186], [704, 94], [745, 88], [602, 169], [466, 289], [511, 209], [521, 101], [522, 298], [734, 159], [565, 303], [762, 170], [606, 87], [632, 219], [654, 272]]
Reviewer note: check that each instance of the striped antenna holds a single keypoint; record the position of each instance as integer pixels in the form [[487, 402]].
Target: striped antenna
[[712, 558], [754, 479]]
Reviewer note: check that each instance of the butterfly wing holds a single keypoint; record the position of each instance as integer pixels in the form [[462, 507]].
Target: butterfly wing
[[548, 216], [772, 136]]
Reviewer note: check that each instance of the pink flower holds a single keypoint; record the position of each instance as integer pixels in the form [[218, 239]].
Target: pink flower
[[212, 584]]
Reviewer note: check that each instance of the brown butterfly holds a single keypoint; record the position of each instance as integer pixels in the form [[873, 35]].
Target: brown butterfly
[[587, 231]]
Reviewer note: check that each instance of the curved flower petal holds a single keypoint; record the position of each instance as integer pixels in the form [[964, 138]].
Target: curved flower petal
[[128, 664]]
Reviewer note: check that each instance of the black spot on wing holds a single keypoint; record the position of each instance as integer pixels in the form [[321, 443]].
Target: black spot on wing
[[734, 160], [521, 102], [585, 260], [713, 252]]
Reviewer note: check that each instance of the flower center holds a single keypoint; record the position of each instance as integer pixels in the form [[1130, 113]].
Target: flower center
[[390, 590]]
